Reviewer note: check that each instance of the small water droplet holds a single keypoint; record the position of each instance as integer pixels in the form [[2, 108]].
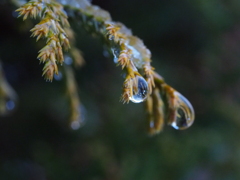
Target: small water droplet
[[63, 2], [80, 118], [8, 97], [58, 76], [151, 124], [106, 53], [140, 90], [10, 105], [111, 37], [116, 53], [7, 106], [75, 125], [185, 113], [19, 2], [68, 60], [14, 14]]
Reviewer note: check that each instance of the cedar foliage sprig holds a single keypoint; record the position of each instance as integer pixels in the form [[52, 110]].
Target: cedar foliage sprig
[[163, 103], [51, 26]]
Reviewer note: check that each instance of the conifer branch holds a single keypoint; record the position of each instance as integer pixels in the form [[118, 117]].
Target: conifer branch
[[163, 103], [51, 27], [76, 117]]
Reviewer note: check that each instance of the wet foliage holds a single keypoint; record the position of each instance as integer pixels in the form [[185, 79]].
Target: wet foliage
[[195, 47]]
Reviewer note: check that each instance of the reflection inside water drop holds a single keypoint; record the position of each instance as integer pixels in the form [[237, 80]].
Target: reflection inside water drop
[[140, 90], [185, 114]]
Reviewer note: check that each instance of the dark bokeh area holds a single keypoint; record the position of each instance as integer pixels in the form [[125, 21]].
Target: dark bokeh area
[[195, 46]]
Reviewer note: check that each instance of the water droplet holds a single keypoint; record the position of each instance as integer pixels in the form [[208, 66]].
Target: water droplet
[[75, 125], [14, 14], [8, 97], [116, 53], [140, 90], [185, 114], [79, 4], [80, 118], [19, 2], [106, 53], [111, 37], [10, 105], [63, 2], [58, 76], [68, 60], [7, 106], [151, 124]]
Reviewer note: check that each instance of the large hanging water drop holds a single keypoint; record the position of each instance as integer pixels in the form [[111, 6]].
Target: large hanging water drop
[[184, 113], [140, 90]]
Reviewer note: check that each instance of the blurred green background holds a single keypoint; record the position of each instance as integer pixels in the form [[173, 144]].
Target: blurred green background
[[195, 46]]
